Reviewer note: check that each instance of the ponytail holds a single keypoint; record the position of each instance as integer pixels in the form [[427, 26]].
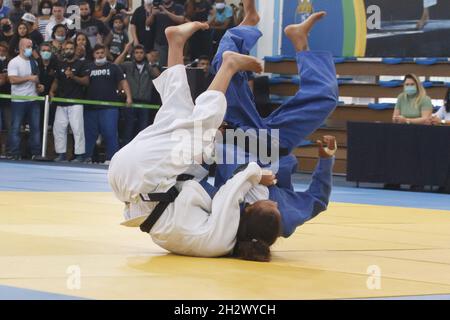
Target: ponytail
[[259, 228], [255, 250]]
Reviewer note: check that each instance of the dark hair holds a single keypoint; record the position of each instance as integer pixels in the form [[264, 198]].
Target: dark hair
[[57, 26], [84, 3], [87, 48], [447, 101], [138, 47], [69, 41], [43, 2], [117, 17], [204, 57], [259, 228], [16, 30], [97, 47]]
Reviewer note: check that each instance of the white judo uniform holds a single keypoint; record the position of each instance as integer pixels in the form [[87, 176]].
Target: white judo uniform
[[193, 224]]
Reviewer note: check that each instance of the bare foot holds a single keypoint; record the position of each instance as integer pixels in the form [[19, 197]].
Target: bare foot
[[298, 33], [181, 33], [251, 17], [240, 62]]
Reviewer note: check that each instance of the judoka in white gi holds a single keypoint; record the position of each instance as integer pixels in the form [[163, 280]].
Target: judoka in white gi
[[149, 166]]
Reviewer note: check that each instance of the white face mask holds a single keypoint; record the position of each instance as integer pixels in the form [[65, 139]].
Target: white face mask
[[148, 2], [46, 11], [220, 6], [2, 58], [100, 61]]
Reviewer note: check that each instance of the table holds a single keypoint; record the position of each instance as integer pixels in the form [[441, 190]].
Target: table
[[398, 154]]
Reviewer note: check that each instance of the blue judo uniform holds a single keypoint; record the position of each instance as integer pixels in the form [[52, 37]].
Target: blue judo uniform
[[296, 119]]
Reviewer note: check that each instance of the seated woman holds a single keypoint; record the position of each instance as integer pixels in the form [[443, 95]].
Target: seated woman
[[442, 116], [413, 105]]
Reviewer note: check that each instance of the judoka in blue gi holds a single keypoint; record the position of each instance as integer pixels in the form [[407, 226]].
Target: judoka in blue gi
[[296, 120]]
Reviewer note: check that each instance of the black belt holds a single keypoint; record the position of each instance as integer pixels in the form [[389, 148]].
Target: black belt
[[164, 199]]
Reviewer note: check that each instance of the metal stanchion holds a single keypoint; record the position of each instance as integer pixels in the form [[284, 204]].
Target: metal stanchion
[[45, 131]]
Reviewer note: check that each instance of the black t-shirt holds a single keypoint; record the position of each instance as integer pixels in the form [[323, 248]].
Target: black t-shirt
[[69, 88], [144, 34], [46, 74], [4, 38], [118, 42], [36, 37], [202, 11], [162, 21], [6, 88], [92, 27], [104, 81]]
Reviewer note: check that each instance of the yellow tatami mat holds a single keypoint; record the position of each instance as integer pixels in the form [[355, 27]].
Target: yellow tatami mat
[[72, 244]]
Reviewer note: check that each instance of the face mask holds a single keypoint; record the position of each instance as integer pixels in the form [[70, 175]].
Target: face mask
[[6, 28], [410, 90], [148, 2], [100, 61], [220, 6], [60, 38], [2, 58], [28, 52], [46, 55], [69, 54], [46, 11], [17, 3], [27, 7]]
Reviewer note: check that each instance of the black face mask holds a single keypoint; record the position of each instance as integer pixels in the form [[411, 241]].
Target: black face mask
[[28, 7], [6, 28], [69, 55]]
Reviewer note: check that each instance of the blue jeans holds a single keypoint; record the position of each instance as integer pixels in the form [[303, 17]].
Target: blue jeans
[[105, 122], [20, 111], [136, 120]]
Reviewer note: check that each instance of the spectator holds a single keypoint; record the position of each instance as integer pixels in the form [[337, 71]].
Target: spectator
[[153, 59], [205, 64], [442, 116], [83, 49], [59, 35], [22, 73], [238, 13], [5, 88], [4, 10], [92, 3], [139, 31], [16, 13], [111, 9], [119, 38], [220, 21], [33, 32], [95, 30], [105, 79], [6, 32], [56, 18], [45, 11], [47, 67], [127, 3], [413, 105], [163, 16], [27, 6], [139, 74], [21, 32], [70, 83], [201, 42]]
